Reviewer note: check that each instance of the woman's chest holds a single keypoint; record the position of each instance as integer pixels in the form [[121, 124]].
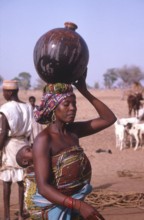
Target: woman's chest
[[61, 143]]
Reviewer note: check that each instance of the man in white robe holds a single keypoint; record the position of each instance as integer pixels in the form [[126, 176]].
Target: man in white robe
[[16, 122]]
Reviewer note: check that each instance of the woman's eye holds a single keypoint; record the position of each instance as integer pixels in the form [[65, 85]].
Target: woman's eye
[[66, 104]]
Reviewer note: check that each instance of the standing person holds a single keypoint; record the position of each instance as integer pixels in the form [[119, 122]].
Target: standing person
[[36, 127], [32, 101], [16, 119], [63, 171]]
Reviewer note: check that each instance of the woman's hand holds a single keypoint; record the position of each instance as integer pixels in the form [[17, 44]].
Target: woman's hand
[[80, 84], [89, 213]]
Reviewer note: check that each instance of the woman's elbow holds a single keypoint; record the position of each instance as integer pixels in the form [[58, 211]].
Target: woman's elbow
[[112, 120], [41, 191]]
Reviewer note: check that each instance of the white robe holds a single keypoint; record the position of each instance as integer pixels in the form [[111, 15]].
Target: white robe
[[36, 129], [19, 116]]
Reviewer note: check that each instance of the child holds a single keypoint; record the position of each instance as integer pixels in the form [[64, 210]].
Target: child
[[24, 159]]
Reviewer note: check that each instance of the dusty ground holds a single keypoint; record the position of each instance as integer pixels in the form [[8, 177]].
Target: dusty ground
[[106, 167]]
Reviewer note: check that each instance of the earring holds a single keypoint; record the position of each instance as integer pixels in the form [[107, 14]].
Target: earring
[[53, 117]]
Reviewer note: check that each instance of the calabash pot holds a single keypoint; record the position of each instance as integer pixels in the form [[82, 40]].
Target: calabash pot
[[61, 55]]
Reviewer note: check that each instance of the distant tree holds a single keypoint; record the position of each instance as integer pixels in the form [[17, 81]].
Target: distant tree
[[110, 77], [130, 74], [88, 86], [39, 84], [24, 80], [122, 76], [96, 85], [17, 79], [1, 80]]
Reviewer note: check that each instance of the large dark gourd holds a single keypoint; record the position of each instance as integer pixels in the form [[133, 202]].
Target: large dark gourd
[[61, 55]]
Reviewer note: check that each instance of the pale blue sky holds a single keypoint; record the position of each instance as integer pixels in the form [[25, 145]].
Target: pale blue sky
[[112, 29]]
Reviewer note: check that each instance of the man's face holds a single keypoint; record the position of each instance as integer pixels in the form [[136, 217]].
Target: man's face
[[32, 102], [7, 94]]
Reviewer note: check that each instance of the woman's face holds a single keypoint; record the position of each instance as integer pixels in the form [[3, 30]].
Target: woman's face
[[66, 110]]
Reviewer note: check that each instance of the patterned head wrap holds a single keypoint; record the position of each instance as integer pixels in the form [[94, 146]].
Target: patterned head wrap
[[53, 95]]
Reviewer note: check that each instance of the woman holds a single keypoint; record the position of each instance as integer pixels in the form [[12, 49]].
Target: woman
[[63, 172]]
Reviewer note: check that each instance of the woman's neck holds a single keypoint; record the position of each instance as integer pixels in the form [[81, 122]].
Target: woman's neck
[[58, 127]]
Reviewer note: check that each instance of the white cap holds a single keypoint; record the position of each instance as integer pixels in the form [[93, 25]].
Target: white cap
[[10, 84]]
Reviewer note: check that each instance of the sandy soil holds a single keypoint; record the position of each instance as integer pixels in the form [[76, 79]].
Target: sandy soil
[[106, 167]]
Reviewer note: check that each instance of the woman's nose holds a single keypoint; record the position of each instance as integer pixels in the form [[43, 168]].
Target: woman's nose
[[72, 107]]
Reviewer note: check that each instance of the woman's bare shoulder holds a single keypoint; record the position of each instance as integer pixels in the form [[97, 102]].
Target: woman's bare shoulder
[[42, 139]]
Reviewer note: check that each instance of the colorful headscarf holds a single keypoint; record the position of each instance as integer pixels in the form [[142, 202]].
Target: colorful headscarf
[[53, 94]]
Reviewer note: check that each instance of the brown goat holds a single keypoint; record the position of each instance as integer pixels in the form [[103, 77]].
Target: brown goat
[[134, 103]]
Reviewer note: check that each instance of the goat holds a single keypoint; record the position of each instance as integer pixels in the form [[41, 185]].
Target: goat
[[124, 121], [141, 133], [134, 103], [135, 130], [120, 135], [141, 114], [120, 132]]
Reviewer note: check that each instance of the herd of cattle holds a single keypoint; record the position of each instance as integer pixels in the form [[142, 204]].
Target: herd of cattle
[[129, 132]]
